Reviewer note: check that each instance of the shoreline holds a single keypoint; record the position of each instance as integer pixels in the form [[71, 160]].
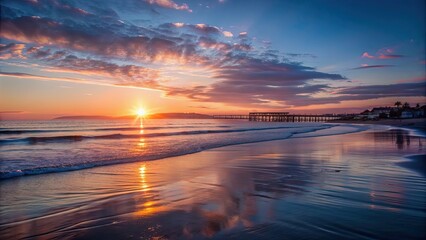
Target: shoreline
[[71, 168], [67, 168], [413, 123]]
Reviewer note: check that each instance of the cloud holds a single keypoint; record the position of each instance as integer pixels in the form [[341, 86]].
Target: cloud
[[11, 50], [111, 73], [412, 89], [129, 75], [389, 56], [39, 77], [244, 81], [11, 112], [367, 55], [383, 54], [178, 24], [242, 34], [150, 47], [99, 47], [37, 52], [170, 4], [204, 28], [227, 34], [270, 72], [366, 66], [197, 29], [300, 55]]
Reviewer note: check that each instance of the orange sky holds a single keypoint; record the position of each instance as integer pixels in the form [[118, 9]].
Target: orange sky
[[78, 58]]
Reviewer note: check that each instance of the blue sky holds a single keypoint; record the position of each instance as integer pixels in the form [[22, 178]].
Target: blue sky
[[208, 55]]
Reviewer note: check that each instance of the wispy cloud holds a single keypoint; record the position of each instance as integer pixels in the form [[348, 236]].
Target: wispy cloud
[[11, 112], [39, 77], [11, 50], [367, 55], [366, 66], [389, 56], [170, 4], [383, 54]]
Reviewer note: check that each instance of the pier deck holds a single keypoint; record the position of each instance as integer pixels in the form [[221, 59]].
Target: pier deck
[[281, 117]]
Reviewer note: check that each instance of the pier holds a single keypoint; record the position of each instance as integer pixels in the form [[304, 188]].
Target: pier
[[281, 117]]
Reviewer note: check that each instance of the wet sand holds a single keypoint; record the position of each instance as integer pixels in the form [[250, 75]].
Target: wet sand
[[413, 123], [416, 163], [349, 186]]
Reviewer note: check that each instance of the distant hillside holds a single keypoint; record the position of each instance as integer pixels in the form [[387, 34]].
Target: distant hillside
[[83, 118], [151, 116]]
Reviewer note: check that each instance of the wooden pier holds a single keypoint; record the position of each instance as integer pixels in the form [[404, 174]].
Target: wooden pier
[[281, 117]]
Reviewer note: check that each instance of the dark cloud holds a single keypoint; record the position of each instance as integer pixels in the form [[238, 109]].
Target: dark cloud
[[246, 81], [257, 83], [37, 52], [390, 56], [372, 66], [367, 92], [269, 72], [301, 55], [391, 90], [11, 50]]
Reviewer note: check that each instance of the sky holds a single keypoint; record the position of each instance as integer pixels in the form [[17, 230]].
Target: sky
[[106, 57]]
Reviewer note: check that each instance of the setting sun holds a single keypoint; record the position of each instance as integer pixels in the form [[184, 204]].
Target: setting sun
[[140, 112]]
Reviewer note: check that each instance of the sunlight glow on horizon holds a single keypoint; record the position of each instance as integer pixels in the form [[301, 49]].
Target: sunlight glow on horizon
[[141, 113]]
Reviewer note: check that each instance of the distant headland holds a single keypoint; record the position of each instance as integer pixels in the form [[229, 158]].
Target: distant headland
[[150, 116]]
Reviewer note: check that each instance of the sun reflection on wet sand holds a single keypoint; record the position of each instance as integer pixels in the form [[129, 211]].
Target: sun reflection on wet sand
[[152, 203], [144, 184]]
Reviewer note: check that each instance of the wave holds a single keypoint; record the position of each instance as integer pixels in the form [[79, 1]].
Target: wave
[[25, 131], [294, 132], [76, 138]]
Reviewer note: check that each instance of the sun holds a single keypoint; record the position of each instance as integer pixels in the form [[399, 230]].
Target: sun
[[140, 112]]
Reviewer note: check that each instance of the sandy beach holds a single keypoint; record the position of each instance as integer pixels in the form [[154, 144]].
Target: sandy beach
[[328, 187]]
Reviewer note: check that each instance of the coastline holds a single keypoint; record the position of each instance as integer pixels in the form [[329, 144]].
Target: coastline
[[414, 123], [247, 191]]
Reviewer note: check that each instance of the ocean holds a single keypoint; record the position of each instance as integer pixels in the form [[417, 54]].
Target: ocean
[[38, 147], [321, 181]]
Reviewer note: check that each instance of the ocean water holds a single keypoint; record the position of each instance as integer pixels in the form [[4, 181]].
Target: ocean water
[[364, 185], [37, 147]]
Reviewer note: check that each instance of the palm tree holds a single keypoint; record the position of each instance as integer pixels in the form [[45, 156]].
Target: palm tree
[[398, 104], [406, 105]]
